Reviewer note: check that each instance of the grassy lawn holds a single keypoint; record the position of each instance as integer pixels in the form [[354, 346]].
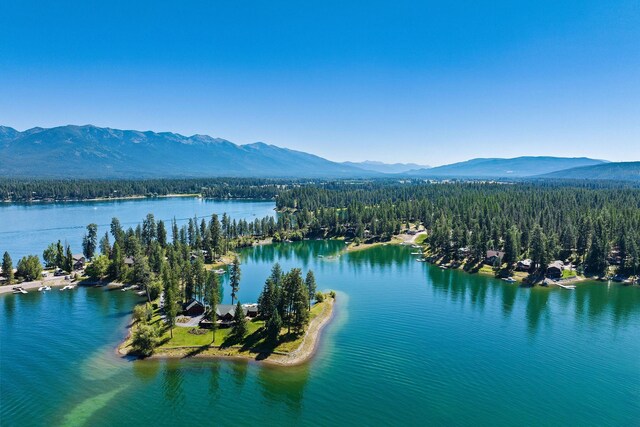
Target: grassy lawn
[[254, 341], [420, 239], [183, 338], [568, 273]]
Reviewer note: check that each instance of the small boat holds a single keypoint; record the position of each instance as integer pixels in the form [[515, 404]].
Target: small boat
[[141, 293], [126, 288], [219, 271], [19, 290], [44, 288], [67, 287], [416, 253], [509, 279], [421, 260], [415, 246]]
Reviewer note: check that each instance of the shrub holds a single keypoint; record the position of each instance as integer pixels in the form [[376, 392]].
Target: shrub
[[332, 294], [145, 339], [319, 296]]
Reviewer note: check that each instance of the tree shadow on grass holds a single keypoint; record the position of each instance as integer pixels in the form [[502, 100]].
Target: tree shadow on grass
[[195, 351]]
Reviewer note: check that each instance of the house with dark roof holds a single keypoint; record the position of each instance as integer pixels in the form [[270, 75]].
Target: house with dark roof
[[78, 261], [492, 255], [524, 265], [193, 308], [555, 269]]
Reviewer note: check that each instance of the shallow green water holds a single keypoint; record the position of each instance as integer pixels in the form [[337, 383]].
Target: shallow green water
[[410, 344]]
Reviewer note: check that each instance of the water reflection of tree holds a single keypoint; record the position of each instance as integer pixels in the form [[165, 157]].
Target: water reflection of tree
[[239, 370], [214, 380], [172, 384], [508, 299], [9, 307], [302, 252], [146, 370], [537, 307], [284, 385]]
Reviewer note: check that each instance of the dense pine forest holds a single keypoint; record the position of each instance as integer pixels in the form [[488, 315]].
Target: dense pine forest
[[593, 226], [59, 190]]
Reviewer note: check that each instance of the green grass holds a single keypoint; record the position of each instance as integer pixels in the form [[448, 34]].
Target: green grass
[[568, 273], [254, 339], [420, 239]]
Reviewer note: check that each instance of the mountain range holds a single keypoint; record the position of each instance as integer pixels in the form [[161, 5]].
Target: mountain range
[[518, 167], [93, 152], [381, 167]]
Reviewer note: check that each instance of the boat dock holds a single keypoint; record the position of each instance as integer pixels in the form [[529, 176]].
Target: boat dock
[[564, 286]]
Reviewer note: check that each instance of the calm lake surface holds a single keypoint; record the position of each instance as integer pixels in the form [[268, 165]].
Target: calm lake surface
[[410, 344], [28, 228]]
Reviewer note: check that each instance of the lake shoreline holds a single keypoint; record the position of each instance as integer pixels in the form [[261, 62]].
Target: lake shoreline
[[132, 197], [302, 354]]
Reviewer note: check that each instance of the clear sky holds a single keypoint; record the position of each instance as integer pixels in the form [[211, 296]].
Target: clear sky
[[422, 81]]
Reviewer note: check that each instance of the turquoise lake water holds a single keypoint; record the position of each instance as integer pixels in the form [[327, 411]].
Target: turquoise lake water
[[410, 344]]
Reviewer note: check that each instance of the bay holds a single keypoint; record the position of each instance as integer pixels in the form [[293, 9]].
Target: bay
[[409, 344]]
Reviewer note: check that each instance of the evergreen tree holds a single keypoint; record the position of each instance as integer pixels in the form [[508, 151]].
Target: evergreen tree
[[116, 230], [148, 232], [310, 282], [7, 267], [240, 322], [90, 241], [234, 278], [273, 326], [596, 262], [162, 234], [105, 246], [170, 296], [212, 295], [117, 262], [511, 247], [59, 255], [68, 260], [300, 315], [539, 256]]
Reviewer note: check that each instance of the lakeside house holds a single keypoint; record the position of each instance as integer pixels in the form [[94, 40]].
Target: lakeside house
[[492, 255], [193, 308], [79, 261], [225, 314], [555, 269], [524, 265], [128, 261]]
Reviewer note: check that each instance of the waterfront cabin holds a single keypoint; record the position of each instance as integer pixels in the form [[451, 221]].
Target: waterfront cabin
[[193, 308], [524, 265], [492, 255], [250, 310], [555, 269], [78, 261], [225, 312]]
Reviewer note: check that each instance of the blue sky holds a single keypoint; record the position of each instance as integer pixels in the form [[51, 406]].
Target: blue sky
[[426, 82]]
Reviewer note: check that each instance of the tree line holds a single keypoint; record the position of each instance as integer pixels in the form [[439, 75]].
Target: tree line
[[593, 225], [18, 190]]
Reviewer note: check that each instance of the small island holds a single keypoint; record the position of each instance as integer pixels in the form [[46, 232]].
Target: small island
[[282, 328]]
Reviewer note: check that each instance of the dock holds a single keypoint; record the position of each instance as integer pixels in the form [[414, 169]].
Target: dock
[[564, 286]]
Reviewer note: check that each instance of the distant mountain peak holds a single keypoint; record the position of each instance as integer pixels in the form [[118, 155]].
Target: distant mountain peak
[[88, 151]]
